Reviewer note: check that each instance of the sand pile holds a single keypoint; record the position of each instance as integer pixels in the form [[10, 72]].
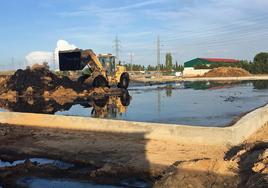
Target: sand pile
[[3, 80], [227, 72]]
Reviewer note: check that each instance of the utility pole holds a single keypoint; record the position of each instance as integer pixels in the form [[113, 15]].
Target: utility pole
[[131, 60], [117, 47], [158, 56]]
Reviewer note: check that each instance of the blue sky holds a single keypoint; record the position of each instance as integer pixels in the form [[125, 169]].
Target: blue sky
[[187, 28]]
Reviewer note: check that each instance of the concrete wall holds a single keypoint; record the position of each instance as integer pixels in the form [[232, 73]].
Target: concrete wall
[[189, 72], [233, 135]]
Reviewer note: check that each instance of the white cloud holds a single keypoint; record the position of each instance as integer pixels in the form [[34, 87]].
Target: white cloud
[[92, 9], [38, 57]]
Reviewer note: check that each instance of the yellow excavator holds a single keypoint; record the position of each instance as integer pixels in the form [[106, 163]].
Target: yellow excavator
[[99, 70]]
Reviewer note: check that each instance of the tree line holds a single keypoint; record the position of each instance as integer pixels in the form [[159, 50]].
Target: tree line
[[258, 66], [169, 66]]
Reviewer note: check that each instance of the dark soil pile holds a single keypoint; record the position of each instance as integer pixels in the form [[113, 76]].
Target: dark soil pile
[[37, 80], [227, 72]]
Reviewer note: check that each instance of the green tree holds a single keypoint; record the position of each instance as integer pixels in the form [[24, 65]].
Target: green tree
[[261, 58], [168, 62]]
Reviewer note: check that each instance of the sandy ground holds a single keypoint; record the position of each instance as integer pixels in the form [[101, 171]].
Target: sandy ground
[[168, 163], [245, 165], [130, 150]]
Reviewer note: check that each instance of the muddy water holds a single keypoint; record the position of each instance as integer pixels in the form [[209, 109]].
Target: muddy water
[[33, 182], [39, 161], [190, 103]]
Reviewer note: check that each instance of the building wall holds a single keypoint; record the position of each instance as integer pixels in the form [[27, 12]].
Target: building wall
[[190, 72]]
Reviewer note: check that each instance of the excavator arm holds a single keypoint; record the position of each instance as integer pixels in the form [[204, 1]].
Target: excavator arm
[[77, 59], [90, 58]]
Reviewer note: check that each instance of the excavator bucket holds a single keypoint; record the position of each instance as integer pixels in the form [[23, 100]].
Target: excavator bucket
[[70, 60]]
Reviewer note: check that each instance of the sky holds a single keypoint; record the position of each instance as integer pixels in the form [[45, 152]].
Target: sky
[[187, 28]]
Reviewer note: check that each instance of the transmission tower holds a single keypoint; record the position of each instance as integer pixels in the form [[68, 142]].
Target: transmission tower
[[117, 47], [158, 56], [131, 60]]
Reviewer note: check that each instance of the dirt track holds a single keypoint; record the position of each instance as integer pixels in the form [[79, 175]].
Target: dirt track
[[130, 155]]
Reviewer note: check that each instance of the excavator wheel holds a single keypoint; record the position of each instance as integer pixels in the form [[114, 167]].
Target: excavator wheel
[[124, 81], [101, 102], [125, 98], [100, 81], [82, 79]]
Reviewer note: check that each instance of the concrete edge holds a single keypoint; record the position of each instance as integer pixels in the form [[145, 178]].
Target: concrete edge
[[232, 135]]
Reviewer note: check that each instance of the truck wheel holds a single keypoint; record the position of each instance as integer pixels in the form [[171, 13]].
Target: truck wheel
[[124, 81], [100, 81]]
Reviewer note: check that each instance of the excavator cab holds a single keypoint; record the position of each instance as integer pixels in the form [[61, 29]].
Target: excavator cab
[[108, 62], [103, 69]]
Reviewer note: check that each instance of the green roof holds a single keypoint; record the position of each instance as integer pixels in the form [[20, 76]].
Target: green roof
[[196, 61], [208, 61]]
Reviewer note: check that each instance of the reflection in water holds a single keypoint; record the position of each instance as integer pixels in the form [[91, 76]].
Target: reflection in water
[[169, 90], [260, 84], [102, 107], [110, 106], [204, 85], [34, 105]]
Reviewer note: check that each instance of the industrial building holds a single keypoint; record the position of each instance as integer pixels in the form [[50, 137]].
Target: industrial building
[[208, 61], [189, 66]]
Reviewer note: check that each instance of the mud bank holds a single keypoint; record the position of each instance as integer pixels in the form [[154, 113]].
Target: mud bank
[[109, 158], [56, 154], [244, 166]]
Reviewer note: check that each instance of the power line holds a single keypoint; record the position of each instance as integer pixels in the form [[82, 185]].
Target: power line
[[237, 25]]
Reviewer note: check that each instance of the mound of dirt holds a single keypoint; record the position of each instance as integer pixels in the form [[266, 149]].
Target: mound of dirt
[[227, 72], [3, 80], [199, 173], [37, 80]]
